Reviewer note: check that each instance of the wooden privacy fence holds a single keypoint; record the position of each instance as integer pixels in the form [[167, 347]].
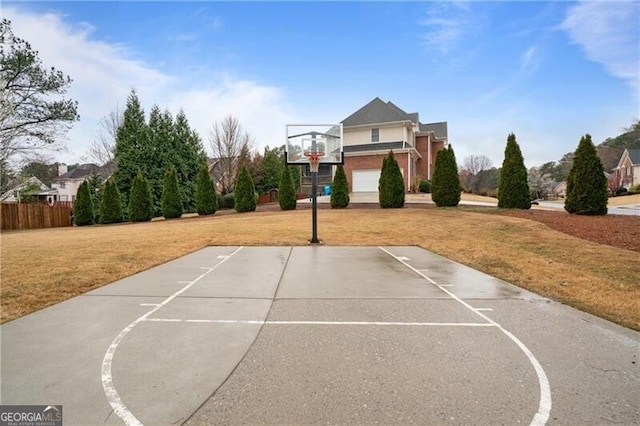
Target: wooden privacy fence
[[33, 216]]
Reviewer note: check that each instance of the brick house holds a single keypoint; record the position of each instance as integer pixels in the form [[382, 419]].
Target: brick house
[[378, 127], [627, 172]]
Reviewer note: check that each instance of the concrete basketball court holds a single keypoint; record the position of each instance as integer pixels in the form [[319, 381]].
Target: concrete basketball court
[[306, 335]]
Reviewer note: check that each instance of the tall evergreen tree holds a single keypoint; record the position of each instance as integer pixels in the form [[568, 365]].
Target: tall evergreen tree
[[171, 203], [158, 153], [96, 188], [111, 207], [286, 192], [587, 192], [445, 183], [513, 192], [188, 156], [140, 201], [131, 146], [272, 165], [206, 198], [83, 206], [244, 193], [340, 189], [391, 184]]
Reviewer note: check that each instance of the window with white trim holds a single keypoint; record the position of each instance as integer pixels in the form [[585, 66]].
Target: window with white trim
[[375, 135]]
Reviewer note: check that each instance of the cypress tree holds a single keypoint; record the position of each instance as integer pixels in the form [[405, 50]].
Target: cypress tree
[[189, 154], [513, 192], [445, 183], [131, 153], [340, 190], [244, 192], [83, 206], [587, 192], [141, 201], [286, 191], [391, 184], [111, 207], [206, 199], [171, 202]]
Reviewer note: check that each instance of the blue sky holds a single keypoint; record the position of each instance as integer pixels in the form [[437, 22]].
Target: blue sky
[[547, 71]]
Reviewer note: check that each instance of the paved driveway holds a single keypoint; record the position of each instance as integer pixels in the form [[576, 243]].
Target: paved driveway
[[304, 335]]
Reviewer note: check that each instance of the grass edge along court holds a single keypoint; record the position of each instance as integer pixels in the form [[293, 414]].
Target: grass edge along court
[[43, 267]]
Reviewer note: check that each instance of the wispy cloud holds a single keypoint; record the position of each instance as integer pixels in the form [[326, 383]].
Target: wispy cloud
[[609, 34], [530, 60], [447, 23], [103, 75]]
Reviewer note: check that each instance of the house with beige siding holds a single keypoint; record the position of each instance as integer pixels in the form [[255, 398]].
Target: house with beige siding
[[627, 171], [379, 127]]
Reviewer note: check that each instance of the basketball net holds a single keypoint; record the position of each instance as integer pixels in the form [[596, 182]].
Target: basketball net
[[314, 159]]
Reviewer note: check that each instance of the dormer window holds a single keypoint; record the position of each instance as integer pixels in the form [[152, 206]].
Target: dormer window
[[375, 135]]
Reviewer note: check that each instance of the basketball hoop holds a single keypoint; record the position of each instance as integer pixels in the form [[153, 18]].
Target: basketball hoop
[[314, 159]]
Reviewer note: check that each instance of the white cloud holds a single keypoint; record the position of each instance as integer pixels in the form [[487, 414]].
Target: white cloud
[[609, 34], [447, 24], [103, 75]]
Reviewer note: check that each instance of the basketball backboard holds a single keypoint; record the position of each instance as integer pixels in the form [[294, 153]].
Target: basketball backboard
[[305, 138]]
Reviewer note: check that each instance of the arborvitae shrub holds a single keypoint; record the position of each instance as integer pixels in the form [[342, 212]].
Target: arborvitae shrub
[[445, 184], [206, 198], [228, 200], [513, 192], [83, 206], [140, 201], [587, 192], [244, 192], [340, 189], [171, 202], [111, 207], [391, 184], [286, 191]]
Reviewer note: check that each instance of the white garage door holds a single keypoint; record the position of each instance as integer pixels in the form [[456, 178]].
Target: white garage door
[[366, 180]]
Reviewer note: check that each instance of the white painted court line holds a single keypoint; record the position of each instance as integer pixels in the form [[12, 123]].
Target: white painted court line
[[484, 309], [358, 323], [149, 304], [544, 406], [119, 408]]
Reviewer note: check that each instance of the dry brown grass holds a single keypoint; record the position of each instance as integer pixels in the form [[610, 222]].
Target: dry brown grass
[[626, 200], [43, 267]]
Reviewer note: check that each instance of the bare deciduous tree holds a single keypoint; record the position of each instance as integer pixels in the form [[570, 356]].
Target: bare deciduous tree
[[103, 147], [231, 146], [540, 183], [472, 166]]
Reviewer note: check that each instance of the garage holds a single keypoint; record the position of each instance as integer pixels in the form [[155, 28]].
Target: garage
[[366, 180]]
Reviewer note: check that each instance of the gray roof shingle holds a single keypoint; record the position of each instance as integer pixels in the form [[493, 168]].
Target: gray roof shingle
[[381, 146], [378, 111], [81, 171], [439, 129], [634, 154]]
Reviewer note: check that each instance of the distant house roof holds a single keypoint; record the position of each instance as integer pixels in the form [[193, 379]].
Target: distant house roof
[[39, 187], [83, 171], [439, 129], [378, 111], [634, 154]]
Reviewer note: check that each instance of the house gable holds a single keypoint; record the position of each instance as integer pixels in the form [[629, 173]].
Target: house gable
[[378, 112], [378, 127]]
